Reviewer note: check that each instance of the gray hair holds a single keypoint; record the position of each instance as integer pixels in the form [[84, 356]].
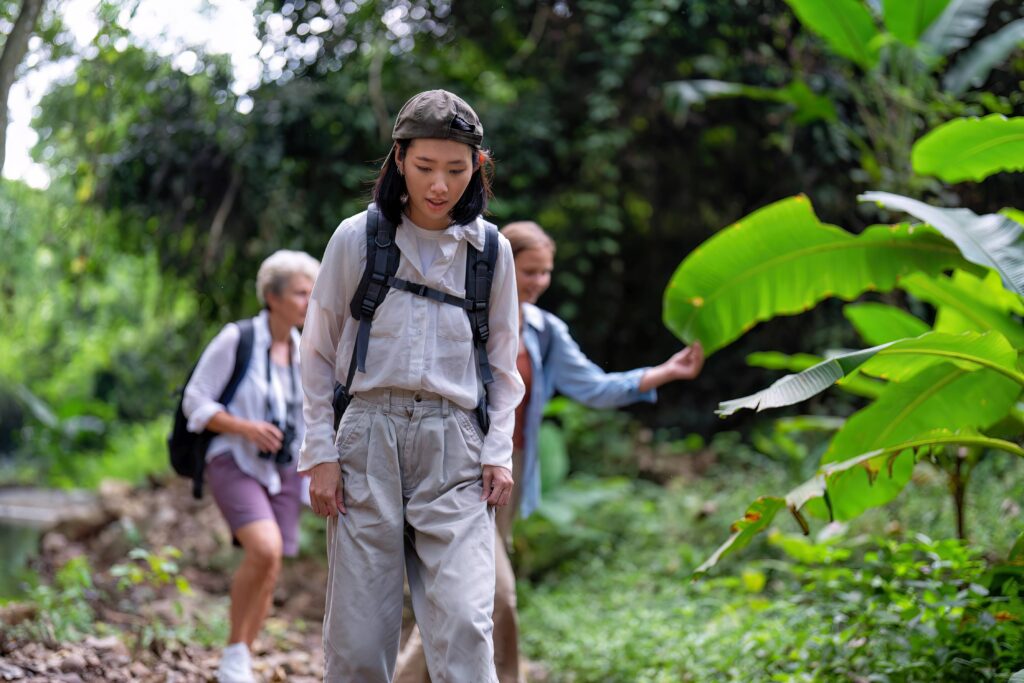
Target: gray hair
[[279, 267]]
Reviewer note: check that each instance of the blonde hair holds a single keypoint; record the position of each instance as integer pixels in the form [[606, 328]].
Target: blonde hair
[[279, 267], [524, 235]]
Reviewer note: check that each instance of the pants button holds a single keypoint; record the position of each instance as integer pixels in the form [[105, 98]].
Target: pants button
[[417, 398]]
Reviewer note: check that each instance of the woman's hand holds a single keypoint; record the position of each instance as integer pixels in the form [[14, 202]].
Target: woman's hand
[[497, 485], [326, 490], [685, 364], [265, 435]]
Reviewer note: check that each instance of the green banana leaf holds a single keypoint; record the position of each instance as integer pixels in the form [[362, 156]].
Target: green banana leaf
[[963, 306], [908, 19], [554, 458], [808, 107], [944, 396], [955, 27], [968, 350], [822, 487], [756, 519], [895, 361], [782, 260], [845, 25], [879, 323], [992, 240], [972, 69], [855, 384], [971, 148]]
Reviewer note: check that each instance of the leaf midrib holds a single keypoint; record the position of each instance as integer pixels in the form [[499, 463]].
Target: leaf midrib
[[976, 150], [855, 243]]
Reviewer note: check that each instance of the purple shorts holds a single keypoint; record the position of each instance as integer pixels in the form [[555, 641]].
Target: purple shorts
[[243, 500]]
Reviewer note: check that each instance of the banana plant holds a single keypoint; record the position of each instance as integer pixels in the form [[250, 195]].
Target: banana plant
[[891, 64], [951, 390], [971, 148]]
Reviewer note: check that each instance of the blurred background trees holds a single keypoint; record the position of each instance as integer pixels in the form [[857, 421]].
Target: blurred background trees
[[159, 158]]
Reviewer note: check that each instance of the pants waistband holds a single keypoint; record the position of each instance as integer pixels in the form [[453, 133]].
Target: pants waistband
[[405, 398]]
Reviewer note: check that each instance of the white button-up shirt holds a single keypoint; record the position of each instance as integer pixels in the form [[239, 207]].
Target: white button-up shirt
[[199, 401], [415, 343]]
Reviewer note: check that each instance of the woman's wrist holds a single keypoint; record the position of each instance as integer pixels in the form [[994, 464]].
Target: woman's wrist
[[653, 378]]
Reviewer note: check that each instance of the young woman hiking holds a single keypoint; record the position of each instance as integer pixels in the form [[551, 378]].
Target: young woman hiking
[[410, 478], [549, 360], [250, 464]]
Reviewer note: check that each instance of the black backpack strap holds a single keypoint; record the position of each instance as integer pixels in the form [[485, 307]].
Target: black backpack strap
[[479, 276], [381, 264], [382, 258], [430, 293], [243, 353], [242, 356]]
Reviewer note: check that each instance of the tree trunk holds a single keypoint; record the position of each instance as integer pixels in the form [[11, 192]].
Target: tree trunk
[[14, 51]]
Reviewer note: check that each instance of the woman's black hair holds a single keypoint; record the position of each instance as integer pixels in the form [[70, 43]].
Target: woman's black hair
[[389, 192]]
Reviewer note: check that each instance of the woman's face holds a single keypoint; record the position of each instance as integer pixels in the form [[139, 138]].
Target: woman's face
[[290, 305], [533, 273], [437, 173]]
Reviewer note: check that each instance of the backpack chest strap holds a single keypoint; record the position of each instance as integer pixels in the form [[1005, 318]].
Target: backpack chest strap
[[430, 293]]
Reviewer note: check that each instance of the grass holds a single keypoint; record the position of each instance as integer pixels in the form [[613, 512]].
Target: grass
[[607, 595]]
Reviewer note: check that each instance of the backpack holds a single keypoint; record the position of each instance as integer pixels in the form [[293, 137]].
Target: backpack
[[382, 257], [188, 449]]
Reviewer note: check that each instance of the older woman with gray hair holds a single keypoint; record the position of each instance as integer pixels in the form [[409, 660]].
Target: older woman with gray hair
[[250, 464]]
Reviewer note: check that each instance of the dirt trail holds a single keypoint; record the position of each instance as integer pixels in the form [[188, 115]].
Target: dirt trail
[[143, 624]]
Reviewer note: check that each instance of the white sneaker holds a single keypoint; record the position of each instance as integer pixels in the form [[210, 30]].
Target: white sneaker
[[235, 665]]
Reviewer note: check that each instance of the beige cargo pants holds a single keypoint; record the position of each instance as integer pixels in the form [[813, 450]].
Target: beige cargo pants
[[410, 463]]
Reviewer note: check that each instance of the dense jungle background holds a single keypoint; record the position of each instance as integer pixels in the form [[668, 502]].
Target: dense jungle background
[[633, 131]]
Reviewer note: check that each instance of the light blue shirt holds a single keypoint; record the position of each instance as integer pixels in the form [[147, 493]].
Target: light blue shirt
[[557, 364]]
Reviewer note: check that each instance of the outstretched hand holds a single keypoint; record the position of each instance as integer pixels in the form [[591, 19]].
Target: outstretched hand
[[686, 364]]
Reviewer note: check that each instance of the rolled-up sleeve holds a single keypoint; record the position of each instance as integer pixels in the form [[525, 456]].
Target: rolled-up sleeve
[[318, 348], [506, 392], [199, 400], [580, 379]]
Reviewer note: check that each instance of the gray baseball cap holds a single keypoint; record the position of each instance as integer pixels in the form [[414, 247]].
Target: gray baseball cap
[[438, 114]]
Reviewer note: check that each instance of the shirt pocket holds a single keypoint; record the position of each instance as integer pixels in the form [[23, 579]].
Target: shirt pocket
[[392, 316], [453, 324]]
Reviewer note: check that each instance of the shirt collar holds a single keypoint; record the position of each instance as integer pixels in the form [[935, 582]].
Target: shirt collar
[[533, 316], [472, 232]]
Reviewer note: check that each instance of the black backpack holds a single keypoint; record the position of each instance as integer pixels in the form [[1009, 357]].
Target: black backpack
[[188, 449], [382, 257]]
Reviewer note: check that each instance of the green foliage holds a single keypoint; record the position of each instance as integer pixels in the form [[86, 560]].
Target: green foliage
[[894, 361], [152, 569], [879, 323], [846, 607], [974, 67], [993, 240], [943, 389], [908, 19], [846, 25], [63, 610], [889, 80], [807, 106], [971, 148], [782, 260], [94, 343], [597, 442]]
